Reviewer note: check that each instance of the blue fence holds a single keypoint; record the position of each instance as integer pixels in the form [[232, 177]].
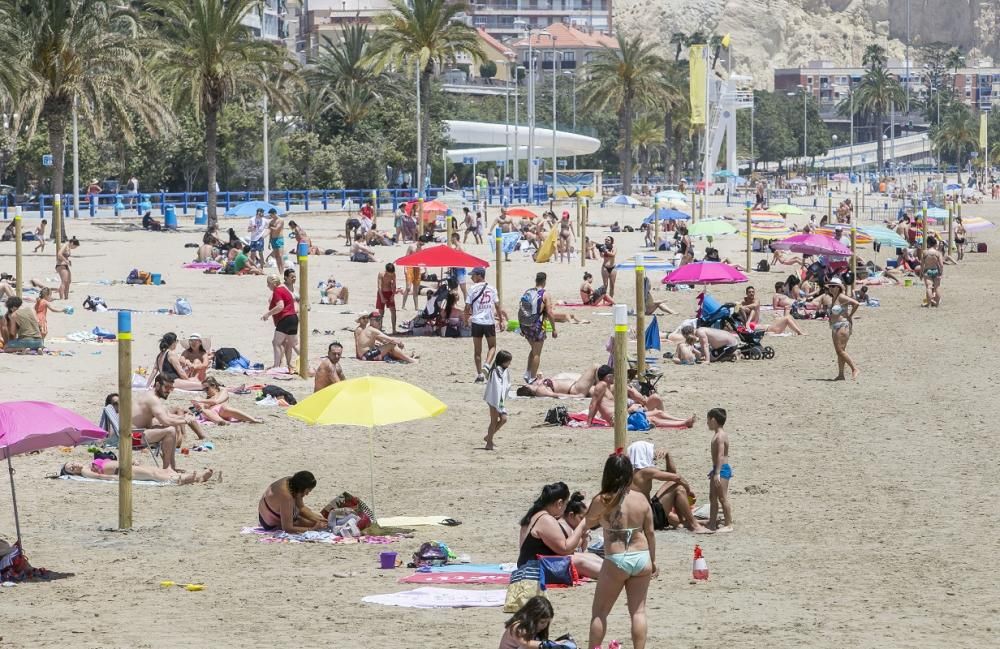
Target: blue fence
[[293, 200]]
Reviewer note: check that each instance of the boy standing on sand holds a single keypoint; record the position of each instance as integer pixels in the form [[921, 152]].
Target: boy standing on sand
[[718, 486], [40, 236]]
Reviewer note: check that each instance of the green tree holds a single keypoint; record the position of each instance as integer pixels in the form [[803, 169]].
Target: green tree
[[488, 70], [345, 71], [647, 143], [677, 113], [957, 134], [205, 57], [425, 36], [773, 137], [57, 52], [624, 79]]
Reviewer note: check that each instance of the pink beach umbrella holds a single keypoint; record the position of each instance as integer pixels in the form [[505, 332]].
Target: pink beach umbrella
[[27, 426], [813, 244], [705, 272]]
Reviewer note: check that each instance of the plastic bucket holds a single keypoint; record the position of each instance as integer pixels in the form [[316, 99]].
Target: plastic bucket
[[387, 560], [155, 278], [907, 281]]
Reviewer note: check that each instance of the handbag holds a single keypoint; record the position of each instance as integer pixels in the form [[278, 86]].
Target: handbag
[[526, 582], [558, 569]]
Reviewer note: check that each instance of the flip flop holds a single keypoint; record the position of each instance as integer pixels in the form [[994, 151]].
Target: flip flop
[[451, 522]]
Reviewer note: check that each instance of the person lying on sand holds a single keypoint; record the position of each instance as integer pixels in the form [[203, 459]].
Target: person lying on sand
[[370, 344], [216, 408], [108, 470], [602, 402], [564, 384], [281, 506], [671, 505], [334, 292]]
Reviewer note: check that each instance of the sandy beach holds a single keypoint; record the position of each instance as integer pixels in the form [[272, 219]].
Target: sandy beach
[[865, 512]]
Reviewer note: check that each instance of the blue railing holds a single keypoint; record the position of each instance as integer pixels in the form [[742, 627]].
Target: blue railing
[[300, 200]]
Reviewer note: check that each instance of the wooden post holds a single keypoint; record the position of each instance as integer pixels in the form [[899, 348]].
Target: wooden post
[[857, 208], [749, 239], [621, 374], [958, 206], [124, 420], [375, 208], [18, 253], [498, 244], [579, 222], [829, 206], [950, 232], [57, 221], [656, 224], [927, 231], [585, 215], [640, 313], [854, 255], [447, 226], [704, 206], [303, 250]]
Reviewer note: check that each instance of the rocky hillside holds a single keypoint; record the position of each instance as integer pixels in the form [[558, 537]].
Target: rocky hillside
[[786, 33]]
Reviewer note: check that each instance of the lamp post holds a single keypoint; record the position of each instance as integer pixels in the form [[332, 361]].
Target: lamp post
[[555, 75], [267, 180], [805, 125], [572, 76], [420, 166], [517, 122], [852, 129], [76, 165]]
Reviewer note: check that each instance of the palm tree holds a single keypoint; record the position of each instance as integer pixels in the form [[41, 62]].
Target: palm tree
[[624, 79], [57, 52], [647, 141], [345, 71], [206, 57], [679, 41], [958, 132], [874, 57], [425, 34], [676, 105], [309, 107], [874, 97]]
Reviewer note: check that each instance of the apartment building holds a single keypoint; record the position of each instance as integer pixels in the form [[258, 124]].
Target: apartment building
[[506, 18]]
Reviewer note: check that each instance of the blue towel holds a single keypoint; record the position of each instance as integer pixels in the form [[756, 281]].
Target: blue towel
[[485, 568], [653, 335], [509, 241]]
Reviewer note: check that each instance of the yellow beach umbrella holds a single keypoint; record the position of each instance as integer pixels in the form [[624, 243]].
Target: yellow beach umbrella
[[367, 401]]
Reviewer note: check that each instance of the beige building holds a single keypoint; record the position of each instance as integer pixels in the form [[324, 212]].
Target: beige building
[[569, 47]]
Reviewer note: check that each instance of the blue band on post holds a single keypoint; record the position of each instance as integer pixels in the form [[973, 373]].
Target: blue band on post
[[303, 249], [124, 325], [498, 233]]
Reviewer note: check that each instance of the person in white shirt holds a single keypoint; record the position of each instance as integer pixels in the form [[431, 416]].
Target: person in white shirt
[[257, 229], [483, 312]]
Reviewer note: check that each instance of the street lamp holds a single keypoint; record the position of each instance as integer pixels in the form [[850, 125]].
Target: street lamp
[[555, 75], [572, 75], [805, 124]]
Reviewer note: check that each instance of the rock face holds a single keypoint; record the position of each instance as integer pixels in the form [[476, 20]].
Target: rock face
[[769, 34]]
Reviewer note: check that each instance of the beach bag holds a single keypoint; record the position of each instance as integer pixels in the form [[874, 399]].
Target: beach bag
[[432, 553], [638, 421], [763, 266], [278, 393], [980, 247], [224, 356], [529, 310], [558, 570], [95, 303], [526, 582], [182, 306], [557, 416]]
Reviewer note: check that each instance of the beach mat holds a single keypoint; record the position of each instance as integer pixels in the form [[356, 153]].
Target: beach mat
[[456, 578], [278, 536], [431, 597], [414, 521], [147, 483], [479, 568]]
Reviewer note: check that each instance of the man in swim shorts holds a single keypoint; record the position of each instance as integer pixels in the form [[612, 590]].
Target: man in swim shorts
[[385, 297], [275, 228], [370, 344], [257, 228]]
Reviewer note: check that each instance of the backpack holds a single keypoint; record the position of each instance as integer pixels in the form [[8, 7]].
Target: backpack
[[763, 266], [529, 309], [557, 416], [224, 356], [278, 393], [182, 306], [432, 553], [95, 303]]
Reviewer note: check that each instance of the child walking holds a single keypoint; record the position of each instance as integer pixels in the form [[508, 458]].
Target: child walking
[[40, 236], [719, 476], [497, 387]]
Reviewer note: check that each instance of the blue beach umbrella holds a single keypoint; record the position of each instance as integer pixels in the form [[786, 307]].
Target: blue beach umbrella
[[250, 208], [667, 214]]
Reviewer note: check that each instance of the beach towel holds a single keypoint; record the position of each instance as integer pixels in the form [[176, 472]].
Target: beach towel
[[279, 536], [147, 483], [641, 454], [203, 265], [414, 521], [457, 578], [431, 597], [480, 568], [579, 420], [509, 242]]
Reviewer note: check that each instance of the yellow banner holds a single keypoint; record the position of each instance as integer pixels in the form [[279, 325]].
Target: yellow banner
[[696, 61], [983, 122]]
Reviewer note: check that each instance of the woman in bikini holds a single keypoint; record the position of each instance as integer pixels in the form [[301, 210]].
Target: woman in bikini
[[608, 272], [842, 309], [62, 266], [959, 237], [685, 245], [594, 296], [216, 408], [543, 534], [565, 243], [281, 506], [101, 469], [195, 358], [629, 550], [169, 364]]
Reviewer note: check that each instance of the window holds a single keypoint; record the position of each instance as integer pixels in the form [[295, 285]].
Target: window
[[569, 56]]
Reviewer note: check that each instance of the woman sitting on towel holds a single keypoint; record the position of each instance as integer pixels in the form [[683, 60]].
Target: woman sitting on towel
[[169, 364], [543, 533], [216, 408], [104, 469], [195, 358], [281, 506]]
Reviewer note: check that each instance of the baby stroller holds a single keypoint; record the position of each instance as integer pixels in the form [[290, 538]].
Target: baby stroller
[[711, 313], [751, 347]]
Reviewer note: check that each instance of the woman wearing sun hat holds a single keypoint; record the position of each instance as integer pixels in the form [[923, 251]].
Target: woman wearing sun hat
[[842, 309]]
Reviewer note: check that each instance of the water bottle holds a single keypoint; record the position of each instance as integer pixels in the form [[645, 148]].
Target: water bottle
[[699, 569]]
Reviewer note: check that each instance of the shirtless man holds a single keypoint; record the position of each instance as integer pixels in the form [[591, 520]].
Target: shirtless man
[[671, 506], [370, 344], [160, 426], [931, 270], [711, 338], [750, 307], [329, 371], [385, 297], [359, 251], [275, 228], [602, 402]]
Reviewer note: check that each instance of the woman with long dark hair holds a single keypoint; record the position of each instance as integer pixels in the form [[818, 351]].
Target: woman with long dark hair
[[529, 627], [629, 550]]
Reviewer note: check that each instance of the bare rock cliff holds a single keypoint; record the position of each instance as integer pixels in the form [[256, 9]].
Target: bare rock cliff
[[769, 34]]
